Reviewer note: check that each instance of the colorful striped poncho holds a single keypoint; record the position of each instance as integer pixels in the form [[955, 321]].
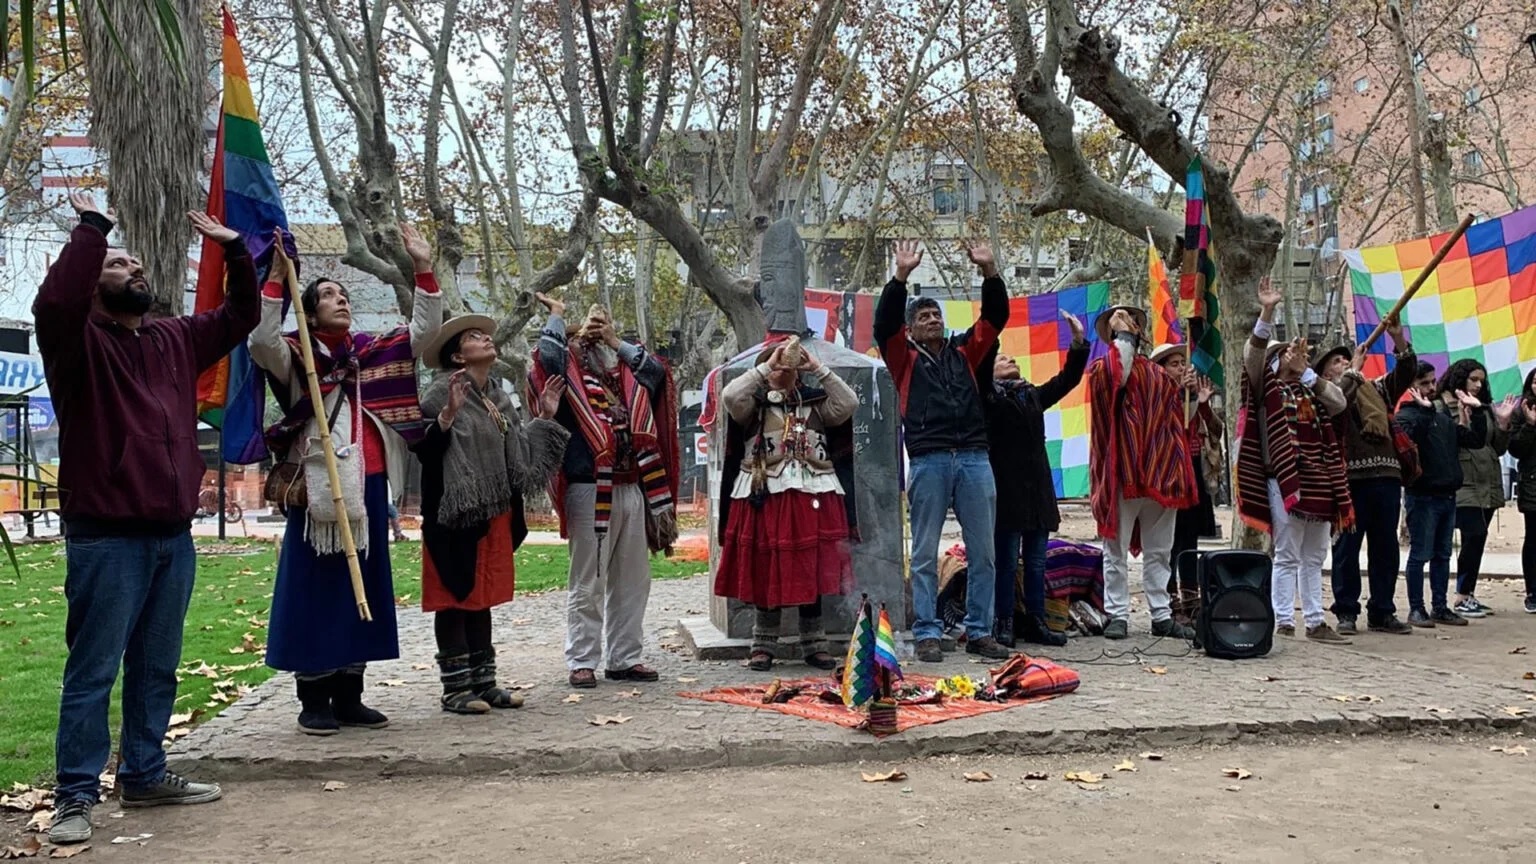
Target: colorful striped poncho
[[1305, 457], [1138, 446], [381, 366]]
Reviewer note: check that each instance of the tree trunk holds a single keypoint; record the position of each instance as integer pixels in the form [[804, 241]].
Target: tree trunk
[[1414, 102], [147, 113], [645, 280]]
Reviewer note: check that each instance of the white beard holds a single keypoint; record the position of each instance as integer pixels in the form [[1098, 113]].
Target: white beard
[[603, 358]]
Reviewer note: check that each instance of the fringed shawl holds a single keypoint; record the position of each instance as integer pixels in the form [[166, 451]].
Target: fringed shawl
[[1305, 458], [382, 368], [1139, 447]]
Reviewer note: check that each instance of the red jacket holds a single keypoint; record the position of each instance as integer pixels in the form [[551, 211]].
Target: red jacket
[[127, 399]]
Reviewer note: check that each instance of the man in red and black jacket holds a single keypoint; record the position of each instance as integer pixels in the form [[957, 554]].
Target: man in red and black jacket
[[944, 425]]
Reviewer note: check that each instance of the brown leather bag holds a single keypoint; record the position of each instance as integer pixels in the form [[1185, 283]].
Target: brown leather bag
[[286, 486]]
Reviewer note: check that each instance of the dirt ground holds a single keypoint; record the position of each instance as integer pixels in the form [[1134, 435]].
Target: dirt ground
[[1431, 799]]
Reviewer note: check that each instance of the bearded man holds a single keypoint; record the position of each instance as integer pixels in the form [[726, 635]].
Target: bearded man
[[125, 389], [616, 492]]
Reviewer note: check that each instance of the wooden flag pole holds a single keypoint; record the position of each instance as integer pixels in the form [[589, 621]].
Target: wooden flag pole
[[317, 400], [1418, 283]]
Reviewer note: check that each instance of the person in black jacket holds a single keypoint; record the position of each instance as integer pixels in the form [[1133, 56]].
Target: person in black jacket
[[1440, 426], [1026, 494], [1522, 446], [940, 381]]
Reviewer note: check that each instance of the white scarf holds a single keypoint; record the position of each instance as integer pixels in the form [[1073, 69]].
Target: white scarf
[[322, 530]]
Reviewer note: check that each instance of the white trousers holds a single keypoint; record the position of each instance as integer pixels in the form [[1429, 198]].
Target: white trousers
[[610, 581], [1156, 546], [1301, 545]]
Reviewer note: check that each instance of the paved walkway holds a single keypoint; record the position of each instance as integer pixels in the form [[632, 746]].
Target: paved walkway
[[1141, 692]]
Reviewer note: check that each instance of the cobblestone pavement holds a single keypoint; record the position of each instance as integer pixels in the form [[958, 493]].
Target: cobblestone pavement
[[1141, 692]]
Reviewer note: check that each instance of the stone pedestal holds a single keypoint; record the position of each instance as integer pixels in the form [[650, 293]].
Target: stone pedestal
[[878, 568]]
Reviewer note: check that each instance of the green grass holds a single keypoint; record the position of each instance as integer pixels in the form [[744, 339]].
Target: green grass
[[221, 650]]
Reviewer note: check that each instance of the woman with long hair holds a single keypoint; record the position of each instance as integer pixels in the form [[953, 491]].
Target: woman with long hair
[[1522, 446], [368, 387], [477, 458], [1482, 488]]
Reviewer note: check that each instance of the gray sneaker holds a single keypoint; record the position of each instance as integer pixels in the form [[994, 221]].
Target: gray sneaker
[[1117, 628], [172, 789], [71, 823], [1348, 625], [1172, 628]]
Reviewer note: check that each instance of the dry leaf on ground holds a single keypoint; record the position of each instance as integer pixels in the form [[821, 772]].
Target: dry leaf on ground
[[1089, 787], [333, 786], [1529, 676], [1265, 678], [1520, 649], [1083, 777], [1516, 711], [28, 849], [892, 776], [1516, 750], [1343, 698], [27, 799], [392, 682], [41, 821], [608, 719], [1436, 709], [625, 694], [1234, 788], [572, 699], [1037, 775], [1239, 773], [1127, 765], [420, 667], [979, 777], [1367, 698], [684, 679], [1157, 670], [1151, 756], [133, 838], [68, 851]]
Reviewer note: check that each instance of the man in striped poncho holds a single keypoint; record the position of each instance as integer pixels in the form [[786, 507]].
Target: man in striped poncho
[[1139, 470]]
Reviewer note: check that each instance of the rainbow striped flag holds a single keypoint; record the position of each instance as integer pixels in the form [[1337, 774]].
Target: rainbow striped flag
[[1166, 329], [1197, 280], [859, 666], [885, 646], [242, 194]]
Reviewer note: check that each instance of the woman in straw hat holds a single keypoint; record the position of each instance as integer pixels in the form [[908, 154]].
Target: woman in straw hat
[[476, 459], [368, 384], [787, 519]]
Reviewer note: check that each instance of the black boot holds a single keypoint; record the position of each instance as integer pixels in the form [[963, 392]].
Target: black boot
[[482, 681], [1002, 630], [315, 715], [458, 696], [1037, 633], [347, 702]]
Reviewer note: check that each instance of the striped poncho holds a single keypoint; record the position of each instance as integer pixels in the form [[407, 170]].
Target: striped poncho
[[1305, 458], [1138, 444], [381, 367]]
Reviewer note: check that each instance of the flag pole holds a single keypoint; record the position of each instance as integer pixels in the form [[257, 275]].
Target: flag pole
[[317, 400], [1445, 248]]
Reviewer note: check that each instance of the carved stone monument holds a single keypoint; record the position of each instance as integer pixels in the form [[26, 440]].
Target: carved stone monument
[[878, 568]]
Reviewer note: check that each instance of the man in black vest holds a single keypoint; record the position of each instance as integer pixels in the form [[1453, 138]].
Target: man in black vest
[[940, 381]]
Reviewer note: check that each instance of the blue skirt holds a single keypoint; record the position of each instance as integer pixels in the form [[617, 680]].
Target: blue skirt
[[314, 626]]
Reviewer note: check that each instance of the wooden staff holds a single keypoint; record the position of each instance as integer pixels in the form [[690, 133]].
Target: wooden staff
[[1381, 327], [317, 400]]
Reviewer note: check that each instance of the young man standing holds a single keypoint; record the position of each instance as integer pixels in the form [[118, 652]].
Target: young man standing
[[125, 390], [940, 381]]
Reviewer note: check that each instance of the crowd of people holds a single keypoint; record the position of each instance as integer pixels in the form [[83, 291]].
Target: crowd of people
[[1321, 461]]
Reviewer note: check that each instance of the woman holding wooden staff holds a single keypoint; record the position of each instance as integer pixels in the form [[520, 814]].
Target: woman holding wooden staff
[[320, 629]]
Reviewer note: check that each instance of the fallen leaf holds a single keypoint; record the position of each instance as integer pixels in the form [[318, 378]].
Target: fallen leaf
[[1529, 676], [684, 679], [1239, 773], [1127, 765], [392, 682], [572, 699], [608, 719], [979, 777], [333, 786], [1367, 698], [1037, 775], [1083, 777], [42, 820], [67, 851], [1234, 788], [1520, 649], [625, 694], [1089, 787], [136, 838], [1157, 670], [1516, 750], [28, 849], [1265, 678], [1342, 698], [1516, 711], [1151, 756], [1436, 709], [420, 667], [892, 776]]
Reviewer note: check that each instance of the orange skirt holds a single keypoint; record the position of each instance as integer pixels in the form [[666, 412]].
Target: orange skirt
[[495, 574]]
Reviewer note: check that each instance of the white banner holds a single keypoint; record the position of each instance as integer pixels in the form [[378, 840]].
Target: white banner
[[21, 372]]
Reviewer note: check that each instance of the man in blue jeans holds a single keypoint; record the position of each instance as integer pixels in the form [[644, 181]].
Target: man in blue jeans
[[940, 381], [125, 389], [1440, 426]]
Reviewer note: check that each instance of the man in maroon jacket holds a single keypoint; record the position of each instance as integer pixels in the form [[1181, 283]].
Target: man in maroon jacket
[[125, 391]]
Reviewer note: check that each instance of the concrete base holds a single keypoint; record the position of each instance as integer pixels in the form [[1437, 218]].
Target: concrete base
[[708, 642]]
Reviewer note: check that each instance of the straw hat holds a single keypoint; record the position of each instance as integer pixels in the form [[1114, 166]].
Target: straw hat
[[432, 351], [1165, 351], [1101, 324]]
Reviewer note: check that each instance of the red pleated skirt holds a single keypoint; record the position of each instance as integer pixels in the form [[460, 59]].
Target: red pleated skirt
[[792, 551]]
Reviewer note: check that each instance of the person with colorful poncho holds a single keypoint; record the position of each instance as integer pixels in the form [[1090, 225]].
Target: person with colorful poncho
[[786, 516], [477, 459], [616, 490], [1205, 440], [1370, 441], [368, 382], [1139, 469], [1292, 480]]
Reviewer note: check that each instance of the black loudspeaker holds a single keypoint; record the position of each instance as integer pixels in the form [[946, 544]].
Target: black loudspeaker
[[1237, 619]]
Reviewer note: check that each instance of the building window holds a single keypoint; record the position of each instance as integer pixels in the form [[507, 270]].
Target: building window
[[950, 196], [1472, 161], [1258, 141], [1472, 97], [1362, 84], [1323, 89]]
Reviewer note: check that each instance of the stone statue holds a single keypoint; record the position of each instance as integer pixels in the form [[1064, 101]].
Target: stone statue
[[781, 279]]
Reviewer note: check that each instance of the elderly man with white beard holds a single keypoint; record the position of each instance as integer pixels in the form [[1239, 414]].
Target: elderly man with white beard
[[619, 472]]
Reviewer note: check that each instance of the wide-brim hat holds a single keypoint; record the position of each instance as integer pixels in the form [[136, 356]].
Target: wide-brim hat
[[1338, 351], [1165, 351], [1274, 347], [1101, 324], [432, 351]]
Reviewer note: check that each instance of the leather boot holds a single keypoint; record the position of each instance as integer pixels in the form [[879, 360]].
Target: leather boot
[[315, 715], [1037, 633], [347, 702]]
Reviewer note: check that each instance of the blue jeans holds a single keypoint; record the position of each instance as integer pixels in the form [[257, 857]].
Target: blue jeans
[[1431, 522], [936, 481], [1027, 548], [1376, 508], [127, 601]]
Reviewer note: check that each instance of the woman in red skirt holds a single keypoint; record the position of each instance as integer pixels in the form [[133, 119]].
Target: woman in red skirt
[[786, 535], [476, 458]]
